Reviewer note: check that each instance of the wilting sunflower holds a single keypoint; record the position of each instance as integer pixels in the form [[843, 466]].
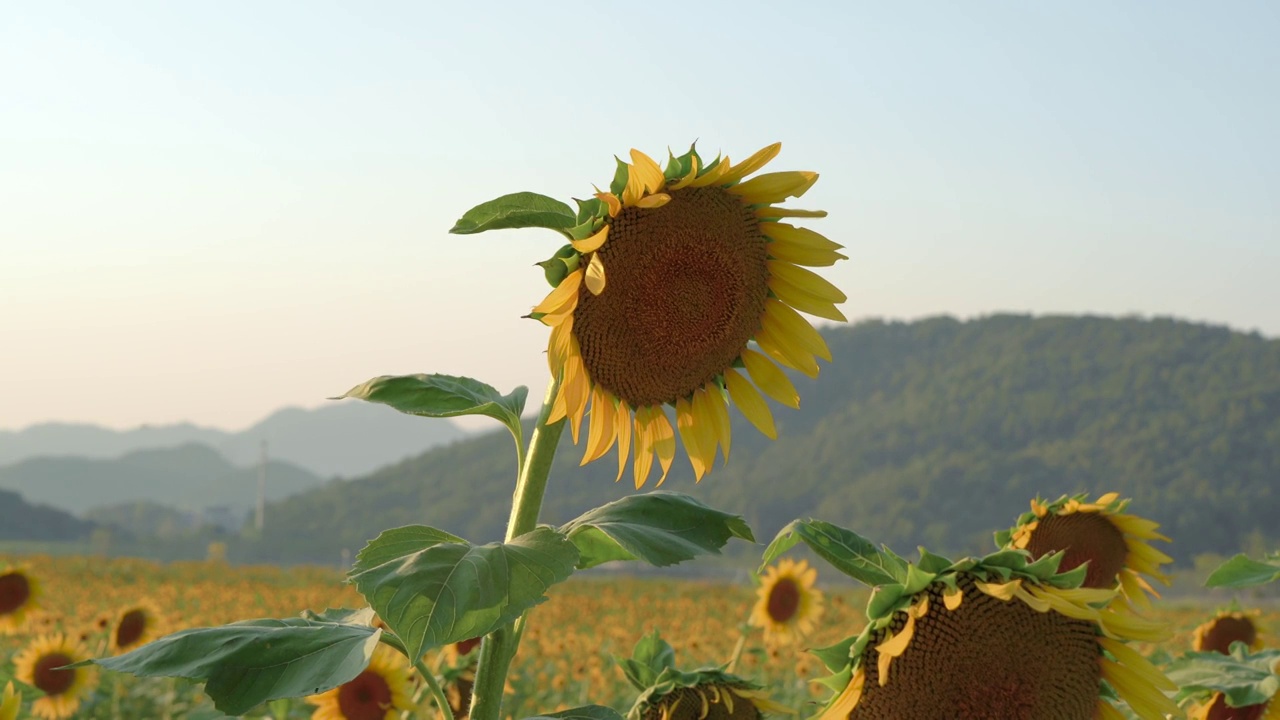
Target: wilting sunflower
[[10, 703], [994, 638], [787, 605], [19, 596], [1116, 545], [1231, 686], [135, 626], [37, 665], [381, 692], [668, 279], [1229, 626]]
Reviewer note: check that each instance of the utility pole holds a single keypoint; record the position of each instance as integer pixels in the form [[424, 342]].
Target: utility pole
[[260, 516]]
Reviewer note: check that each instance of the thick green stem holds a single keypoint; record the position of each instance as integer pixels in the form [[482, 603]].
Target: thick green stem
[[499, 647]]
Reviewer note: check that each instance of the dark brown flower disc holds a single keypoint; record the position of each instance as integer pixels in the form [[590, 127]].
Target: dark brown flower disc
[[986, 660], [50, 680], [367, 697], [784, 600], [685, 290], [1086, 537], [686, 704], [15, 590], [1225, 630], [131, 628]]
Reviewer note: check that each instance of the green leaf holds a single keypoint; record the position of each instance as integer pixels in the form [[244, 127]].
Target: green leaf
[[661, 528], [248, 663], [586, 712], [1242, 571], [443, 396], [847, 551], [517, 210], [650, 657], [434, 593], [1245, 679]]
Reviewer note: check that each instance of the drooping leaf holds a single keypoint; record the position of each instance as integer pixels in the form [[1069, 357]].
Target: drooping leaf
[[1243, 571], [517, 210], [443, 396], [433, 593], [847, 551], [661, 528], [1244, 678], [248, 663]]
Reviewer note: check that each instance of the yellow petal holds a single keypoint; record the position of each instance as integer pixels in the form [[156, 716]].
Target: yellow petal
[[753, 163], [622, 421], [714, 176], [612, 202], [565, 295], [1107, 499], [1137, 663], [775, 187], [806, 280], [704, 426], [843, 707], [647, 170], [952, 597], [782, 319], [786, 351], [801, 237], [770, 212], [804, 256], [750, 403], [644, 445], [689, 177], [804, 302], [1144, 699], [576, 388], [592, 243], [664, 442], [601, 435], [770, 379], [634, 189], [1129, 582], [685, 424], [595, 275], [720, 419], [649, 202]]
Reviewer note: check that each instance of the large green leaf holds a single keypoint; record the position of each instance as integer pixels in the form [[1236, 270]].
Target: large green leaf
[[586, 712], [661, 528], [517, 210], [847, 551], [1244, 678], [248, 663], [1241, 571], [443, 396], [432, 592]]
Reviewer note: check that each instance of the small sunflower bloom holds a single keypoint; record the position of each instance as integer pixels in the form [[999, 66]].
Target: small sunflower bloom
[[1116, 545], [680, 292], [1226, 628], [381, 692], [135, 625], [41, 665], [787, 604], [19, 598]]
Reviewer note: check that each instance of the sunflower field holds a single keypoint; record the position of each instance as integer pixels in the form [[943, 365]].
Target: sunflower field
[[678, 294]]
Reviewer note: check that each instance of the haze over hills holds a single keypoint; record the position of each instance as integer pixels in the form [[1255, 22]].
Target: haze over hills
[[933, 432], [345, 438]]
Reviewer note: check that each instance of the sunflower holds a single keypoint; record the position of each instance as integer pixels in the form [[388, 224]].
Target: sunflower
[[724, 698], [1115, 545], [10, 703], [1216, 708], [669, 278], [994, 638], [38, 666], [788, 605], [380, 692], [1229, 626], [135, 625], [19, 596], [1238, 685]]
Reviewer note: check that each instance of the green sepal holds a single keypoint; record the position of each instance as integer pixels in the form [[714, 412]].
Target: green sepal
[[1242, 571], [557, 267], [661, 528], [517, 210], [590, 209], [897, 564], [678, 167], [836, 683], [933, 563], [584, 230], [917, 580], [838, 656], [1071, 579], [619, 178], [1011, 559], [1047, 566], [884, 600]]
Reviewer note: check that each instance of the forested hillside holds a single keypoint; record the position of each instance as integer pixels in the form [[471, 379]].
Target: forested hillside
[[933, 432]]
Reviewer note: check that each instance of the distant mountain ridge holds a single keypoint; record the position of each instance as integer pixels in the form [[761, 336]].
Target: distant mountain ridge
[[934, 433], [346, 439]]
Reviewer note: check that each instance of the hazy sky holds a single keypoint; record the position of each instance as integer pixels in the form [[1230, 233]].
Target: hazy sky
[[211, 210]]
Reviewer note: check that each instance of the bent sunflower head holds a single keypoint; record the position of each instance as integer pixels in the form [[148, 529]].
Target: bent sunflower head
[[669, 278], [1115, 544], [994, 638], [1229, 626]]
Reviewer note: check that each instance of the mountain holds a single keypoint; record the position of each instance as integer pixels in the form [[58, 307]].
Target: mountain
[[20, 520], [934, 432], [188, 477], [341, 438]]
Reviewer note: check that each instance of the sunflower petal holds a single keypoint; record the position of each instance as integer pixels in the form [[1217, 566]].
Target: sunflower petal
[[595, 280], [753, 163], [664, 442], [782, 319], [690, 177], [686, 425], [648, 171], [785, 351], [770, 379], [714, 176], [704, 427], [657, 200], [804, 256], [775, 187], [623, 423], [644, 446], [602, 434], [770, 212], [750, 403], [803, 301], [806, 280], [592, 243], [612, 202], [565, 295], [720, 419], [798, 236]]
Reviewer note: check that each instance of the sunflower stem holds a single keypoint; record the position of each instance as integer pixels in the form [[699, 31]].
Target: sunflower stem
[[429, 678], [499, 647]]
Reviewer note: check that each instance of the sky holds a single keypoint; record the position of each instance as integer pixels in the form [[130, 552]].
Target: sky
[[212, 210]]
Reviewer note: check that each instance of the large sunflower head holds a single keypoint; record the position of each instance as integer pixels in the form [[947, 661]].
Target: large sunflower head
[[1116, 545], [135, 625], [381, 692], [1229, 626], [994, 638], [19, 597], [40, 665], [787, 604], [1238, 685], [668, 279], [10, 703]]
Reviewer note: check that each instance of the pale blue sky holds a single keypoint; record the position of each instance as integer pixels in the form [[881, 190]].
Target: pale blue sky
[[210, 210]]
